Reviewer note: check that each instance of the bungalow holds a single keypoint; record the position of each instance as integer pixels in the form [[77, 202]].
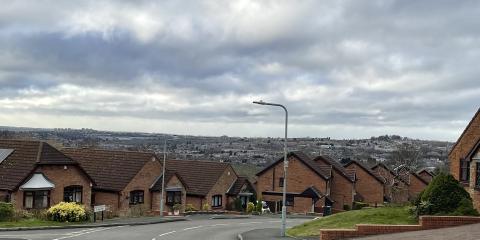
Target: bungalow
[[35, 175], [395, 188], [464, 159], [123, 178], [308, 187], [368, 185]]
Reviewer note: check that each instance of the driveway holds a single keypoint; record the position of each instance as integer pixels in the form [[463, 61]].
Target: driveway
[[466, 232], [197, 228]]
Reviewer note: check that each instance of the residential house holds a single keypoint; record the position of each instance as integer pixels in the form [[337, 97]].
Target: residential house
[[395, 188], [35, 175], [123, 178], [464, 159], [415, 182], [342, 183], [368, 185], [426, 175], [308, 187]]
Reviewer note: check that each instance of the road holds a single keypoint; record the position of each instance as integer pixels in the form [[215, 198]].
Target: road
[[197, 228]]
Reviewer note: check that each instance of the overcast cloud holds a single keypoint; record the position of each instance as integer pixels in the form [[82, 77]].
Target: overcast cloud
[[345, 69]]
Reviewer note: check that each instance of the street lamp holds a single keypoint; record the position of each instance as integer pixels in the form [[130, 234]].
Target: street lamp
[[285, 165], [163, 176]]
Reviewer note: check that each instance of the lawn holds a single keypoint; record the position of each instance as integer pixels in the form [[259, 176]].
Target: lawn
[[32, 223], [384, 215]]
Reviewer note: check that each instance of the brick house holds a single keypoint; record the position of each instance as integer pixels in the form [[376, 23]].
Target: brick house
[[415, 182], [307, 184], [368, 185], [395, 188], [212, 183], [342, 183], [464, 159], [426, 175], [123, 178], [35, 175]]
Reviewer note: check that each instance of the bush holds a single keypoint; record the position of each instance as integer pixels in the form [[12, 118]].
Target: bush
[[250, 207], [444, 196], [259, 206], [177, 207], [346, 207], [237, 204], [190, 208], [205, 207], [6, 211], [67, 212], [359, 205]]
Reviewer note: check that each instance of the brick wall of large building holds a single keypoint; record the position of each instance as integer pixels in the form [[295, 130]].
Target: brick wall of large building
[[142, 181], [226, 180], [367, 185]]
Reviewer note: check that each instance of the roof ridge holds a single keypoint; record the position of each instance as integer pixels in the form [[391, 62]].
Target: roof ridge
[[465, 130], [107, 150]]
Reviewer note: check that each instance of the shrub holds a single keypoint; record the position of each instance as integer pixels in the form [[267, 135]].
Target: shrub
[[250, 207], [359, 205], [67, 212], [346, 207], [259, 206], [205, 207], [177, 207], [190, 208], [6, 211], [444, 196]]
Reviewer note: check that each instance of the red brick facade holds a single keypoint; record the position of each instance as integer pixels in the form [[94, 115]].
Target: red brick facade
[[395, 190], [367, 185], [464, 148]]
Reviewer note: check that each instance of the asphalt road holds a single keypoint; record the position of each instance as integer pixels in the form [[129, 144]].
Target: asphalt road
[[197, 228]]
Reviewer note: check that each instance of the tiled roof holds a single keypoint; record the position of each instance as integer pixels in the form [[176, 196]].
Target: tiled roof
[[157, 185], [22, 161], [111, 170], [395, 175], [336, 165], [237, 186], [307, 160], [199, 176], [368, 170]]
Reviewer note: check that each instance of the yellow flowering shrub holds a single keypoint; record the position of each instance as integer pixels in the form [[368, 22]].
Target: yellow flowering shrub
[[67, 212]]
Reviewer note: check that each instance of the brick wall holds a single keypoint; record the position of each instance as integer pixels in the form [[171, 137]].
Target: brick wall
[[416, 186], [367, 186], [196, 201], [110, 199], [173, 182], [142, 181], [299, 178], [226, 180], [425, 223]]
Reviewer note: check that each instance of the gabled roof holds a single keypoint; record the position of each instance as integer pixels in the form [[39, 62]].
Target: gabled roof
[[413, 173], [199, 176], [473, 151], [477, 114], [237, 186], [366, 169], [111, 170], [157, 185], [337, 166], [390, 171], [26, 155], [305, 159]]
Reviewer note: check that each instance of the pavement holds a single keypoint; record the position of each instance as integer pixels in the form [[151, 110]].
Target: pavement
[[196, 227], [466, 232], [264, 234]]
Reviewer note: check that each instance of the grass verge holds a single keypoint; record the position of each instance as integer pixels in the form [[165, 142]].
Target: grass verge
[[32, 223], [384, 215]]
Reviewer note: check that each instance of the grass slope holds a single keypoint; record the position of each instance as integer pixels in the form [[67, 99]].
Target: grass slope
[[32, 223], [384, 215]]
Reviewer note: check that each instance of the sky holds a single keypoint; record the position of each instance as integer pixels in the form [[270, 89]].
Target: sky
[[343, 68]]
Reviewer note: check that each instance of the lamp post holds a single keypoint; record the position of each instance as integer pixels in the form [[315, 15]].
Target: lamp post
[[285, 165], [163, 176]]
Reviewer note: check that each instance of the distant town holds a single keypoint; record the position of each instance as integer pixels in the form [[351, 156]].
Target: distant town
[[253, 152]]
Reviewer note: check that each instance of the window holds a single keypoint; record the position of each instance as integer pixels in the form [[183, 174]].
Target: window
[[136, 197], [174, 197], [36, 199], [280, 182], [290, 201], [477, 184], [217, 201], [464, 170], [73, 194]]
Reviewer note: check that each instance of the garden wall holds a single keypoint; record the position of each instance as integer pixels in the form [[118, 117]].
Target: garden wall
[[425, 223]]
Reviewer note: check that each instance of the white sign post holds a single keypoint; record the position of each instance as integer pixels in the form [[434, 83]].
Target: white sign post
[[99, 208]]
